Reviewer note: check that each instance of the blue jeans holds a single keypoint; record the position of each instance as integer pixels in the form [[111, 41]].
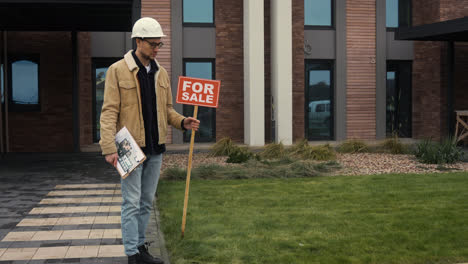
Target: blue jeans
[[138, 191]]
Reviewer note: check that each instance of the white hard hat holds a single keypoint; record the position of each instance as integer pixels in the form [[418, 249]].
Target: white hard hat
[[147, 27]]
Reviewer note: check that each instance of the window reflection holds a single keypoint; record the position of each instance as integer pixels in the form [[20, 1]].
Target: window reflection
[[318, 12], [206, 115], [392, 13], [319, 101], [25, 82], [398, 99], [100, 81], [198, 11]]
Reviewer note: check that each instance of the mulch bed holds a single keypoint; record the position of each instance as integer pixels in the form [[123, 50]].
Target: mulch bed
[[353, 164]]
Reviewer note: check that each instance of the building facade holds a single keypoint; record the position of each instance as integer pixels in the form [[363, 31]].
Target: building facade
[[325, 70]]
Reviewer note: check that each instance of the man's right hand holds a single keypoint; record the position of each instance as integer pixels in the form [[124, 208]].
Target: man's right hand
[[112, 159]]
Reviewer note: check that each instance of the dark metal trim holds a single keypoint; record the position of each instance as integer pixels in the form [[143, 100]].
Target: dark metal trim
[[450, 86], [75, 93], [450, 30]]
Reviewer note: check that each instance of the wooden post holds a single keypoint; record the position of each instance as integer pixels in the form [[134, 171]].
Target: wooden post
[[189, 170]]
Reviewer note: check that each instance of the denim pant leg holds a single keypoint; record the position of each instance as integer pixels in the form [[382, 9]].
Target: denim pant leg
[[149, 184], [131, 192]]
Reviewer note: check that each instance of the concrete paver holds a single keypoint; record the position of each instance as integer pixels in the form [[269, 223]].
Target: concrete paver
[[63, 208]]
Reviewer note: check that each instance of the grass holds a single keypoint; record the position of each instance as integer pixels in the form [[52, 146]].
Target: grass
[[394, 218]]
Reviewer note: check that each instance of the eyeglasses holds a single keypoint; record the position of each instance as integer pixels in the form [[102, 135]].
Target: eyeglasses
[[154, 44]]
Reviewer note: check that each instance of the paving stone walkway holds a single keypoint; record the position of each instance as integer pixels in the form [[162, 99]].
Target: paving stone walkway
[[63, 208]]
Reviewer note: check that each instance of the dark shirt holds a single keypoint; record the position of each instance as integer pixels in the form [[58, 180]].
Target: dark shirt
[[148, 103]]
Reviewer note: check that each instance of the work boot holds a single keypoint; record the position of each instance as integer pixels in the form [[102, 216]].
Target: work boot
[[145, 256], [134, 259]]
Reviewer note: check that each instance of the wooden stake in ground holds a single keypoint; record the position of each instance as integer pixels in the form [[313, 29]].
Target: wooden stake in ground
[[189, 170]]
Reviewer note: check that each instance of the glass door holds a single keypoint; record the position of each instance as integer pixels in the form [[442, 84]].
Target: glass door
[[319, 100]]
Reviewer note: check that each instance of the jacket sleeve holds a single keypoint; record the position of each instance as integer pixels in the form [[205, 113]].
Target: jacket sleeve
[[173, 118], [110, 112]]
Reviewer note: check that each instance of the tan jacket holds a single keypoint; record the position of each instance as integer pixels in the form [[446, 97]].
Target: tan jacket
[[122, 104]]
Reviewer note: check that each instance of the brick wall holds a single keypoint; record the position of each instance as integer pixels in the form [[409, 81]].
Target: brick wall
[[49, 130], [361, 70], [230, 69], [86, 88], [452, 9], [429, 70], [298, 69], [161, 11], [427, 105]]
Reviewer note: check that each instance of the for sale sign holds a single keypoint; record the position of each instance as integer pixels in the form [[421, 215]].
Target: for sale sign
[[195, 91]]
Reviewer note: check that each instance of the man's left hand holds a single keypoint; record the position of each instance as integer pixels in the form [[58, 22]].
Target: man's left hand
[[191, 123]]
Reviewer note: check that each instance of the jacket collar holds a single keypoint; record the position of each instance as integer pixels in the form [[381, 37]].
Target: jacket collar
[[131, 63]]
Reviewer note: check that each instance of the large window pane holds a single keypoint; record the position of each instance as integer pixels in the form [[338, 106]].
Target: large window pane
[[392, 13], [319, 101], [198, 11], [398, 13], [100, 67], [398, 108], [318, 12], [25, 82], [100, 81], [206, 115]]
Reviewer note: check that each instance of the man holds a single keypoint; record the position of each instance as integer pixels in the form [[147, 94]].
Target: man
[[138, 95]]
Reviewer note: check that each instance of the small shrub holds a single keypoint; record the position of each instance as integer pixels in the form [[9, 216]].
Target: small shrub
[[302, 150], [438, 153], [223, 147], [394, 146], [174, 173], [273, 151], [239, 155], [323, 152], [353, 146], [208, 171]]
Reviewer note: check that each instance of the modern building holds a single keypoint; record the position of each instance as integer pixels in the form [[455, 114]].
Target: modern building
[[325, 70]]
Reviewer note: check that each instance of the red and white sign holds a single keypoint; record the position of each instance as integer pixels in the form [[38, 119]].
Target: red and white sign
[[195, 91]]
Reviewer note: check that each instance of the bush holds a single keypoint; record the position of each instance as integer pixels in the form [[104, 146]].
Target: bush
[[323, 152], [175, 173], [223, 147], [302, 150], [239, 155], [438, 153], [252, 169], [273, 151], [394, 146], [353, 146]]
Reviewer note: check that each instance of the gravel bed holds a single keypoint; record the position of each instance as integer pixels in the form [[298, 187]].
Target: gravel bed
[[378, 163], [353, 164]]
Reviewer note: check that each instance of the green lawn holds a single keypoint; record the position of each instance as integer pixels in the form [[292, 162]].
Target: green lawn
[[395, 218]]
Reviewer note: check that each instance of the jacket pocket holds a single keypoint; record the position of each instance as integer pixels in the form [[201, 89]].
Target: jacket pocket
[[128, 93]]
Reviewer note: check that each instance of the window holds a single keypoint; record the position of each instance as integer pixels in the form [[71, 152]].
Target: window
[[201, 68], [198, 12], [318, 13], [398, 13], [100, 67], [319, 100], [398, 102], [23, 83]]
